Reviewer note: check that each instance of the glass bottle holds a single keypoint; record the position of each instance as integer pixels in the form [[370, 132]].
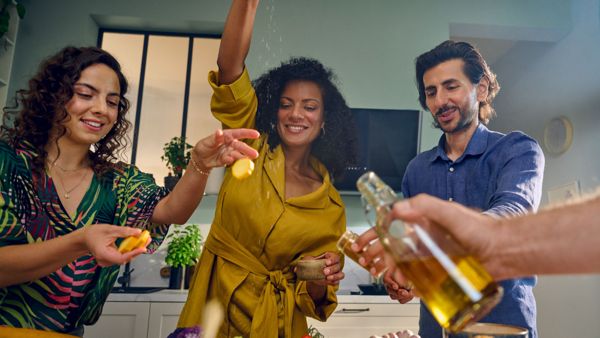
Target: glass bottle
[[454, 286]]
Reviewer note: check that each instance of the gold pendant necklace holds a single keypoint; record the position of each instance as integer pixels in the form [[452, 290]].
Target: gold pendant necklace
[[67, 192]]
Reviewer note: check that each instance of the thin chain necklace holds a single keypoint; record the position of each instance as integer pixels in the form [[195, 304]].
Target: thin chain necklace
[[54, 164], [67, 192]]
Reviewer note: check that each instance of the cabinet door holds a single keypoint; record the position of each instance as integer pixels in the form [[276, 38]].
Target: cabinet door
[[163, 319], [365, 320], [121, 320]]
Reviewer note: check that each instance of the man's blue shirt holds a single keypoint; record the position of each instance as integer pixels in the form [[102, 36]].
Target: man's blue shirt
[[501, 175]]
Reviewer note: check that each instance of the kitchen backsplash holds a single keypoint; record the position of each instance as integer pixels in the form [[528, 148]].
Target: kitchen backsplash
[[147, 267]]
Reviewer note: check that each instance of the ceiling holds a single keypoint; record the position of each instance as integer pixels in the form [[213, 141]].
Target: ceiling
[[491, 49]]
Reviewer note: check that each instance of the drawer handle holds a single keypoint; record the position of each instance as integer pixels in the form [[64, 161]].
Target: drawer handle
[[344, 310]]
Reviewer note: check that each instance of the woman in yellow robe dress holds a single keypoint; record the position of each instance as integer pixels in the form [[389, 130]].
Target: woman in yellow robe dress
[[288, 209]]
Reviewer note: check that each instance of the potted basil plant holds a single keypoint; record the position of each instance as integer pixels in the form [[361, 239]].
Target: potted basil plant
[[183, 251]]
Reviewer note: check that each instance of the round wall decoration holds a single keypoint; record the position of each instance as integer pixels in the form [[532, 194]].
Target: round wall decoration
[[558, 135]]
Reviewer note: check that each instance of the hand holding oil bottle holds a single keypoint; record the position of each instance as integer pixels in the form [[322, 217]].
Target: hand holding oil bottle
[[452, 284]]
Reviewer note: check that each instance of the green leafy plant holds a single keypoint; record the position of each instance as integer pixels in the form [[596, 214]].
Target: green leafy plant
[[185, 245], [5, 14], [313, 333], [176, 155]]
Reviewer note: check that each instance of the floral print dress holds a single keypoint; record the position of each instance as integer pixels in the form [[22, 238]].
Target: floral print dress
[[31, 211]]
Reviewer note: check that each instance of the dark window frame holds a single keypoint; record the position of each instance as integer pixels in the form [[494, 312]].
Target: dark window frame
[[139, 99]]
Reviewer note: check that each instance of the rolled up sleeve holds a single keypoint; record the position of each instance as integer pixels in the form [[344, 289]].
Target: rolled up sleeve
[[309, 308]]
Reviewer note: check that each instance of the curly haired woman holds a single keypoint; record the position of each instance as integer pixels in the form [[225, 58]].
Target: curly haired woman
[[65, 199], [288, 209]]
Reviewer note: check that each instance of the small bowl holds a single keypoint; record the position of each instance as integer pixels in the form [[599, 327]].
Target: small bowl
[[310, 269]]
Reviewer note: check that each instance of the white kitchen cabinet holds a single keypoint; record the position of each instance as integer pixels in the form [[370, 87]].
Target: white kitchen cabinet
[[360, 320], [7, 52], [163, 319], [155, 316], [348, 321], [121, 320]]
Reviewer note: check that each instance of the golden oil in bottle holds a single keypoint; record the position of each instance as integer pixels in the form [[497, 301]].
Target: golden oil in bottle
[[453, 303]]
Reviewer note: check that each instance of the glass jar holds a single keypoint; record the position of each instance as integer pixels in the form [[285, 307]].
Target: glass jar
[[344, 244]]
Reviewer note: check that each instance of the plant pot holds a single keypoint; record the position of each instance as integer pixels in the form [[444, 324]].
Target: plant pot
[[180, 278], [176, 278], [171, 181], [189, 273]]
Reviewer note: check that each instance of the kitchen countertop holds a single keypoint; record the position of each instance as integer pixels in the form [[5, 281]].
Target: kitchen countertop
[[180, 296]]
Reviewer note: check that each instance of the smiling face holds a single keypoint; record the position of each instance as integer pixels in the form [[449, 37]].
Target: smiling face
[[300, 114], [93, 109], [451, 97]]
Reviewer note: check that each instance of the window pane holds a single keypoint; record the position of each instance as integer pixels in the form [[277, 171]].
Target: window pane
[[200, 121], [162, 103], [127, 49]]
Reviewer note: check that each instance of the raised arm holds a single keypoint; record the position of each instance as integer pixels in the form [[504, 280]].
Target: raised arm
[[236, 39]]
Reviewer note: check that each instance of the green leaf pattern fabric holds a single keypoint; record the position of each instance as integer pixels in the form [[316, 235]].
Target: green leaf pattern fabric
[[31, 211]]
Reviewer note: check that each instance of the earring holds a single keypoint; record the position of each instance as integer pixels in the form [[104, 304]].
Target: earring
[[323, 130], [272, 126]]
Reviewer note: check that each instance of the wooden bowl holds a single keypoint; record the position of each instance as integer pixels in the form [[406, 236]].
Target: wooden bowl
[[310, 269]]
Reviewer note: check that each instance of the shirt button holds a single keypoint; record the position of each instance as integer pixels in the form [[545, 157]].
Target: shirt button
[[451, 169]]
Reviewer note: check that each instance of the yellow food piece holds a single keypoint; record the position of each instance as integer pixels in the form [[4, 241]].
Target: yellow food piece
[[133, 242], [17, 332], [242, 168], [144, 236]]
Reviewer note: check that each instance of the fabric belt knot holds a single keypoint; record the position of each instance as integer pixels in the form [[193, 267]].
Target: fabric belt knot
[[278, 280], [266, 315]]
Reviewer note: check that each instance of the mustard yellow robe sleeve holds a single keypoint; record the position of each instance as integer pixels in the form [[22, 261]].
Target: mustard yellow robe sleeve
[[257, 236]]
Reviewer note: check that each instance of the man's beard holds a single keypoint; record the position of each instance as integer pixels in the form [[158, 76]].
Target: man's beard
[[466, 119]]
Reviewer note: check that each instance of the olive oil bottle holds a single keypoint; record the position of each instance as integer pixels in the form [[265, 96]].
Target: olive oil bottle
[[453, 285]]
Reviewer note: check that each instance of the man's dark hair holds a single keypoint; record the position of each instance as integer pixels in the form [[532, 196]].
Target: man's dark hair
[[475, 68]]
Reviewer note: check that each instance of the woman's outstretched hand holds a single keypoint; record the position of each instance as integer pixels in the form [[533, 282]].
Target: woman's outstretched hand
[[224, 147], [100, 241]]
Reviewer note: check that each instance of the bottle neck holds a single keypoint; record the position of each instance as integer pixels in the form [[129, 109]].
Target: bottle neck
[[375, 192]]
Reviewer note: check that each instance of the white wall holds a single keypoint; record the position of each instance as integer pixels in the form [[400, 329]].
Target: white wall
[[541, 81], [370, 44]]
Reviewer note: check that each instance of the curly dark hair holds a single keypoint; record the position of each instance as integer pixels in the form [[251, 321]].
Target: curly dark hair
[[475, 69], [42, 107], [336, 146]]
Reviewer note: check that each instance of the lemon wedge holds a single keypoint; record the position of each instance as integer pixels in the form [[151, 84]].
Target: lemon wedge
[[242, 168], [133, 242]]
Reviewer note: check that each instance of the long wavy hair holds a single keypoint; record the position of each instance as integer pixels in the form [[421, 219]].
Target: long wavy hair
[[41, 107], [475, 69], [336, 145]]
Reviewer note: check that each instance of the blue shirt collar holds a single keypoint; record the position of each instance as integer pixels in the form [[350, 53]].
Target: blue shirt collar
[[476, 146]]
